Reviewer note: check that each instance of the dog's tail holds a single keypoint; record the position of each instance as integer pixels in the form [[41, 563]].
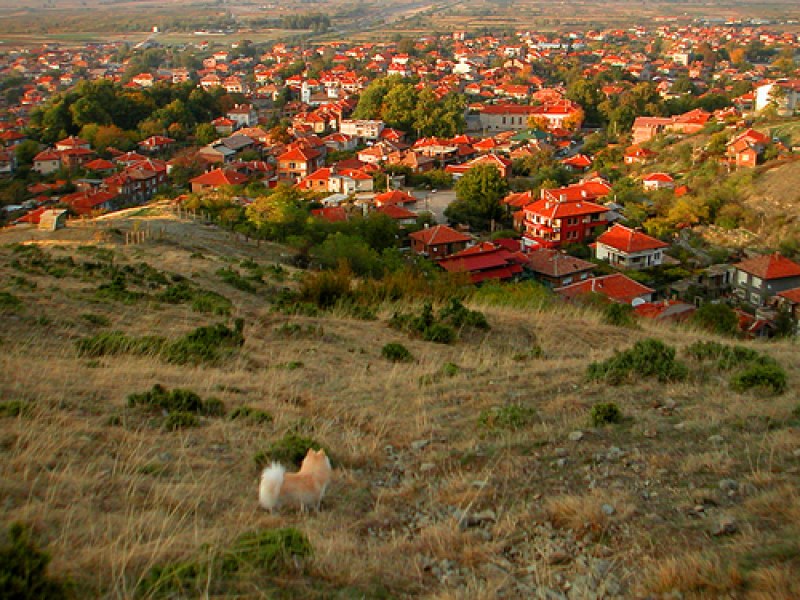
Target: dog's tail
[[270, 488]]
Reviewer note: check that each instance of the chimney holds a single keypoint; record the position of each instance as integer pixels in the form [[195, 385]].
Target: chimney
[[562, 197]]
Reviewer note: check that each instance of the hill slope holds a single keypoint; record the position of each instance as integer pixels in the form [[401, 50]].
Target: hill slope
[[472, 472]]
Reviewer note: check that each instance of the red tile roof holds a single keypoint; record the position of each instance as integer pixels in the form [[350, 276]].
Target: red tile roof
[[770, 266], [626, 239], [396, 212], [616, 287], [792, 295], [439, 234], [219, 177], [555, 263], [394, 197]]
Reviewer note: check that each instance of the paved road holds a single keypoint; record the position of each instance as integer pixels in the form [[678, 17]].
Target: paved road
[[433, 202]]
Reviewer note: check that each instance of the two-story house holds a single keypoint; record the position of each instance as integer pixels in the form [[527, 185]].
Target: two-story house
[[555, 268], [298, 163], [757, 280], [561, 216]]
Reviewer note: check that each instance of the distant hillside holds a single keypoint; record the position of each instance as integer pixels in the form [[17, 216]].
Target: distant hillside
[[473, 471]]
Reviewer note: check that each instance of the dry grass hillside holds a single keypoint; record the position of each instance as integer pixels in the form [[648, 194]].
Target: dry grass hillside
[[474, 471]]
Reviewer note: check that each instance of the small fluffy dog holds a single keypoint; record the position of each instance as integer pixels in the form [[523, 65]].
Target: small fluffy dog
[[303, 489]]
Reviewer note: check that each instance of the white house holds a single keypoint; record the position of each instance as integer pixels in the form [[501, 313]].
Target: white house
[[627, 248]]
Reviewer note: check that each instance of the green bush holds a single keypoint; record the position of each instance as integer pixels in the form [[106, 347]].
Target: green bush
[[211, 303], [458, 315], [117, 290], [290, 449], [510, 417], [604, 413], [396, 353], [176, 400], [23, 568], [619, 315], [439, 333], [766, 377], [180, 420], [253, 415], [450, 369], [726, 357], [235, 279], [205, 344], [272, 551], [98, 320], [9, 302], [14, 408], [647, 358]]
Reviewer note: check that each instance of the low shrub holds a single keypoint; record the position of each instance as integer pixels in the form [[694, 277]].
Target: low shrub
[[726, 357], [207, 344], [619, 315], [176, 400], [180, 420], [253, 415], [23, 568], [509, 417], [396, 353], [234, 279], [439, 333], [117, 290], [767, 377], [14, 408], [177, 293], [272, 551], [290, 449], [450, 369], [204, 301], [459, 316], [605, 413], [98, 320], [9, 302], [647, 358]]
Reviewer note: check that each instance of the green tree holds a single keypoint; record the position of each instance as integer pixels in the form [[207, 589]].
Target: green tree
[[206, 133], [25, 152], [717, 318], [279, 215], [478, 196]]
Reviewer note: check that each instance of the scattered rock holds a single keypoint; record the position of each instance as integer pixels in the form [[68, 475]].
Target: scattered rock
[[728, 485], [725, 526], [608, 509], [615, 453], [576, 436], [562, 452], [716, 439], [419, 444], [796, 453], [426, 467], [466, 520], [562, 462]]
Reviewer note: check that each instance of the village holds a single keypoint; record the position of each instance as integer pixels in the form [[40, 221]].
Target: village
[[582, 160]]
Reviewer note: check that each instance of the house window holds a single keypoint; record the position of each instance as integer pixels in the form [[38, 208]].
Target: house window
[[756, 282], [755, 299], [741, 278]]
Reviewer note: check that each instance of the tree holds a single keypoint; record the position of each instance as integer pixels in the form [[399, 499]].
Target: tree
[[25, 152], [206, 133], [478, 196], [280, 214], [717, 318], [399, 105]]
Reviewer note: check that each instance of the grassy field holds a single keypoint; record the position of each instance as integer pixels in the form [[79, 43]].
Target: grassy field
[[474, 471]]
